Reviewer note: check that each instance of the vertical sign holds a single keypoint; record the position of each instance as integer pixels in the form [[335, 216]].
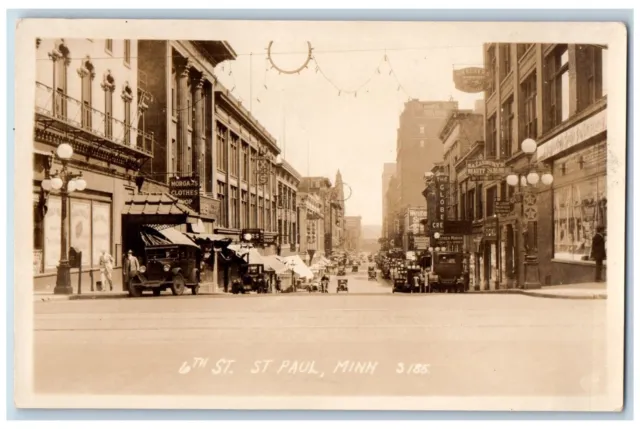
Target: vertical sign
[[186, 189], [442, 183]]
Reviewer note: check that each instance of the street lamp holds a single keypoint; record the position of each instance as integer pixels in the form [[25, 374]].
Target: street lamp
[[529, 147], [65, 182]]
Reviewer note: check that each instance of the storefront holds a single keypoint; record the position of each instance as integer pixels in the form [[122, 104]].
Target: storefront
[[576, 204], [476, 266]]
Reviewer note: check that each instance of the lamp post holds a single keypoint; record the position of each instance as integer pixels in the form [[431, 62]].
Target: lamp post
[[247, 238], [65, 182], [524, 182]]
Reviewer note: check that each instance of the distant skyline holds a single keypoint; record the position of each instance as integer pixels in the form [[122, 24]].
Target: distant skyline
[[321, 126]]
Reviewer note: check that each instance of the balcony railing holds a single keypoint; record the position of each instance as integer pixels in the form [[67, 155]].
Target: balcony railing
[[68, 110]]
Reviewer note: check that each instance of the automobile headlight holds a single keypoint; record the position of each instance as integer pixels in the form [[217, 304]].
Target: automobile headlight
[[143, 268], [166, 268]]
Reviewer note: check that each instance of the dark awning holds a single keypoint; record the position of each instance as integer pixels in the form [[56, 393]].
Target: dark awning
[[158, 209], [217, 239]]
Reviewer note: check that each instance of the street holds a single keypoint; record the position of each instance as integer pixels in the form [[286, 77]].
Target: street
[[361, 343]]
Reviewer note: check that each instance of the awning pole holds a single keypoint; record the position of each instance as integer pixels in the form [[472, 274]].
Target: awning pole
[[215, 270]]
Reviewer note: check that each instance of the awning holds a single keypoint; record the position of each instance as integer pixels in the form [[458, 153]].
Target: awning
[[298, 266], [198, 238], [274, 263], [158, 209], [177, 237]]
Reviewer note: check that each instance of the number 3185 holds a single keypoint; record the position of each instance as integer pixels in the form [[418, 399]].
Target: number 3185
[[414, 368]]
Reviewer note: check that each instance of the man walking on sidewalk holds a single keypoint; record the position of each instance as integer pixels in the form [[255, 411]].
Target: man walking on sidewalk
[[106, 268], [598, 252]]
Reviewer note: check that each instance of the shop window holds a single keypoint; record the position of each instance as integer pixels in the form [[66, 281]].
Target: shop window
[[529, 118], [556, 98]]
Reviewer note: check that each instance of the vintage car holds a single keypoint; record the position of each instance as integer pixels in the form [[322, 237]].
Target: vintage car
[[447, 273], [342, 286], [168, 266], [252, 280]]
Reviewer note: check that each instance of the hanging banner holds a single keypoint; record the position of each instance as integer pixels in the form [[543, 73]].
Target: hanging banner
[[471, 79]]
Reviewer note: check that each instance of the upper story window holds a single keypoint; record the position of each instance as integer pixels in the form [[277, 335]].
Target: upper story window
[[108, 85], [522, 48], [108, 46], [86, 73], [61, 57], [491, 67], [127, 52], [506, 145], [492, 137], [529, 116], [127, 97], [505, 60], [421, 129], [556, 98], [593, 60]]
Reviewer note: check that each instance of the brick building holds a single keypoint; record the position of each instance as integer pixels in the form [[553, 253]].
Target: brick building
[[353, 233], [388, 170], [288, 211], [556, 95]]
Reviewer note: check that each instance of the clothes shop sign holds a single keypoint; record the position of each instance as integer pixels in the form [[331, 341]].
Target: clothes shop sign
[[186, 189], [577, 134]]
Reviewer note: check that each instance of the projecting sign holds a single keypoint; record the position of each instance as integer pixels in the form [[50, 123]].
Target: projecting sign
[[471, 79], [503, 208], [442, 184], [186, 189], [484, 170]]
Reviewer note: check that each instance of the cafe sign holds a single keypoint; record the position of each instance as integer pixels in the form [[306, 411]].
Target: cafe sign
[[471, 79], [186, 189], [442, 184], [579, 133], [481, 170]]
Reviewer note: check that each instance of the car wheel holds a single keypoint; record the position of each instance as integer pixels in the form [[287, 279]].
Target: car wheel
[[195, 289], [177, 287], [157, 292]]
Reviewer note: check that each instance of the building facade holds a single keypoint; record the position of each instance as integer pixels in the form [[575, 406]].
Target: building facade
[[393, 234], [554, 94], [288, 180], [388, 170], [311, 224], [353, 233], [87, 95], [419, 146]]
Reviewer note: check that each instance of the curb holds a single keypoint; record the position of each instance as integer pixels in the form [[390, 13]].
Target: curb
[[590, 296]]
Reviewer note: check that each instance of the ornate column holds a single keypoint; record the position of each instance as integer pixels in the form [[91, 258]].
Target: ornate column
[[184, 149], [198, 131]]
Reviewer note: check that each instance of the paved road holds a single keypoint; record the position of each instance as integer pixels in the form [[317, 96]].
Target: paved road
[[348, 344], [359, 283]]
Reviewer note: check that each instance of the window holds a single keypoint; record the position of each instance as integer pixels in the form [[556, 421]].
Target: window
[[506, 145], [224, 209], [529, 118], [557, 87], [254, 208], [479, 202], [505, 60], [221, 147], [189, 106], [421, 144], [86, 95], [233, 161], [174, 99], [244, 165], [60, 81], [260, 212], [492, 137], [233, 208], [594, 85], [491, 66], [244, 209], [127, 52], [108, 45], [492, 195], [522, 48], [422, 129], [127, 122], [603, 65]]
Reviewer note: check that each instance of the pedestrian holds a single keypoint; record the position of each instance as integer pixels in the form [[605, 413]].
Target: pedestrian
[[598, 251], [132, 266], [106, 269]]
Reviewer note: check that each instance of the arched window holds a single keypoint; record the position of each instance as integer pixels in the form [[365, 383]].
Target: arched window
[[87, 73], [108, 85], [127, 97], [61, 57]]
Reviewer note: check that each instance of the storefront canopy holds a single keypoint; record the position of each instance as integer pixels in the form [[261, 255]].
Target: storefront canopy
[[156, 210], [297, 265]]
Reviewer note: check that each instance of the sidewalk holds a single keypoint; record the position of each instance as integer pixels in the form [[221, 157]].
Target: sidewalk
[[570, 291]]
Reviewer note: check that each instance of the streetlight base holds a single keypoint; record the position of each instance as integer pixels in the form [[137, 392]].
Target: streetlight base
[[63, 280], [531, 274]]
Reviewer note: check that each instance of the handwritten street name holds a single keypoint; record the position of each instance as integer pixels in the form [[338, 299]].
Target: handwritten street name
[[227, 367]]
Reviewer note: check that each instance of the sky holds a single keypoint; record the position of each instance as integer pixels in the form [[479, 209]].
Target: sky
[[321, 122]]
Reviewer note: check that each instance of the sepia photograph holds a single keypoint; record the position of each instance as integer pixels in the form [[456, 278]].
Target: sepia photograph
[[320, 215]]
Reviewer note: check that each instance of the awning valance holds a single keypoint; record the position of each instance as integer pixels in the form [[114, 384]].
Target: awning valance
[[210, 238], [158, 209]]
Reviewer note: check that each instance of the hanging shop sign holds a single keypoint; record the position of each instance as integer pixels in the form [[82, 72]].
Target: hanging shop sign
[[186, 189], [450, 239], [471, 79], [416, 216], [421, 242], [481, 170], [503, 207], [491, 229]]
